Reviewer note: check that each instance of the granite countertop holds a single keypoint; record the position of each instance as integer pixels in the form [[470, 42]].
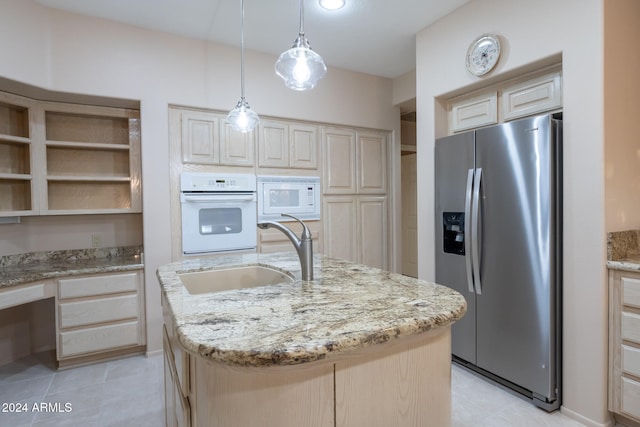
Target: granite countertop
[[33, 266], [346, 307], [623, 250]]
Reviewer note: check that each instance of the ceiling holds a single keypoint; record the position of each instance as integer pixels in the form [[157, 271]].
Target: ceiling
[[369, 36]]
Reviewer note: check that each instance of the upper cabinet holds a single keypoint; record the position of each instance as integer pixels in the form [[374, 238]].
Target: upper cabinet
[[58, 158], [531, 96], [287, 145], [92, 158], [207, 139], [524, 96], [469, 113], [16, 156]]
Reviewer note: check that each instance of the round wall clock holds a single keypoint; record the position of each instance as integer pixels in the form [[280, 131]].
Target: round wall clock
[[483, 54]]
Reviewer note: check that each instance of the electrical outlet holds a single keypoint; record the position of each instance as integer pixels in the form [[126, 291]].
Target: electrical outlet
[[96, 240]]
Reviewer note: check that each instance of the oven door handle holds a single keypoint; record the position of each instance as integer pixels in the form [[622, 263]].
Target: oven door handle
[[218, 198]]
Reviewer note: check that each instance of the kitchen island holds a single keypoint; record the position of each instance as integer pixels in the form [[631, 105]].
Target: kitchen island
[[355, 346]]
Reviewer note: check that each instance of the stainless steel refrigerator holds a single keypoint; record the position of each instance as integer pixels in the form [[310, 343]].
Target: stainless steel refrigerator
[[498, 242]]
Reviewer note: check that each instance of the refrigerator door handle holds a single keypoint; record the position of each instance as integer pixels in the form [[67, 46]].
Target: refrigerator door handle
[[475, 250], [467, 230]]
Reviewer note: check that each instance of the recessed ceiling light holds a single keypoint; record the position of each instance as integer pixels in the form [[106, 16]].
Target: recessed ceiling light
[[332, 4]]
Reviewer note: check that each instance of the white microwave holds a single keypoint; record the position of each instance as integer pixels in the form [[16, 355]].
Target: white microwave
[[294, 195]]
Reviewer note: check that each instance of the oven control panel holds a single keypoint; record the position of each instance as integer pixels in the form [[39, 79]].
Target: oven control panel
[[209, 182]]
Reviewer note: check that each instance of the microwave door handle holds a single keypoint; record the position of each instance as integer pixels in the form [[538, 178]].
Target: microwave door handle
[[218, 198]]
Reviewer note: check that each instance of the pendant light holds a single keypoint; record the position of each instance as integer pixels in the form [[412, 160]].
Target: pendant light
[[300, 67], [242, 118]]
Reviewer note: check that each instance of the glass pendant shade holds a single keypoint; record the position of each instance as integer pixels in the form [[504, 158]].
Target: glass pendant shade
[[332, 4], [300, 67], [243, 118]]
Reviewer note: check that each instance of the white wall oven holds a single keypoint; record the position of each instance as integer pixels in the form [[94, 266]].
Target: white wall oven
[[294, 195], [218, 212]]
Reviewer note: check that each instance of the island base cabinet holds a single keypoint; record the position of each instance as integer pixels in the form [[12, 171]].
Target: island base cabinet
[[409, 385], [406, 382], [268, 397]]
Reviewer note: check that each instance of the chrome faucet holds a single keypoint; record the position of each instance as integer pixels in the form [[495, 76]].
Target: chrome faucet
[[303, 245]]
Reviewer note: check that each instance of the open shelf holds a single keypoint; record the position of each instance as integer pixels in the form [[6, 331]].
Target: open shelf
[[65, 195], [16, 196], [70, 127], [92, 156], [15, 157], [67, 161], [60, 158], [14, 120]]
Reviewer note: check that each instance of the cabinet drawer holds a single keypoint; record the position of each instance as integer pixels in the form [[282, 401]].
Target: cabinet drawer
[[99, 338], [631, 360], [631, 397], [631, 292], [631, 327], [98, 285], [101, 310]]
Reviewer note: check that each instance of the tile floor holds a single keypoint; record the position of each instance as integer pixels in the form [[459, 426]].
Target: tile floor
[[129, 392], [125, 392]]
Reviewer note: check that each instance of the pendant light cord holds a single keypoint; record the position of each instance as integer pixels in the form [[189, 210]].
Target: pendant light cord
[[301, 18], [242, 50]]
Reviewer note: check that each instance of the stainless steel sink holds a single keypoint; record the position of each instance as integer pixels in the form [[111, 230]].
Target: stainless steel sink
[[201, 282]]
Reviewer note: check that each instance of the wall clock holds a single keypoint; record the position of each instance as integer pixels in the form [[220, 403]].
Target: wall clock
[[483, 54]]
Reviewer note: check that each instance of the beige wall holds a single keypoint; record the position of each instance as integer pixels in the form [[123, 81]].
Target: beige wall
[[535, 33], [49, 233], [622, 113], [70, 53]]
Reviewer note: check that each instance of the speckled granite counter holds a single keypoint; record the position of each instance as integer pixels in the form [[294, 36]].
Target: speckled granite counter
[[33, 266], [346, 307], [623, 250]]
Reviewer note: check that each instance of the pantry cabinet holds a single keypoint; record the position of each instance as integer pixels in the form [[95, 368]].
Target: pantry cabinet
[[58, 158], [624, 343], [356, 229], [338, 161], [355, 200], [97, 314]]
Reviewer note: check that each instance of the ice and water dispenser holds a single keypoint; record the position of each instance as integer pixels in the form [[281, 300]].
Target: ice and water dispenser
[[453, 229]]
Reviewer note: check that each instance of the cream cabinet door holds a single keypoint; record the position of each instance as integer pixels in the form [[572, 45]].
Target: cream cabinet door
[[339, 162], [371, 154], [303, 149], [236, 148], [533, 96], [200, 138], [372, 228], [469, 113], [273, 145], [340, 232]]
